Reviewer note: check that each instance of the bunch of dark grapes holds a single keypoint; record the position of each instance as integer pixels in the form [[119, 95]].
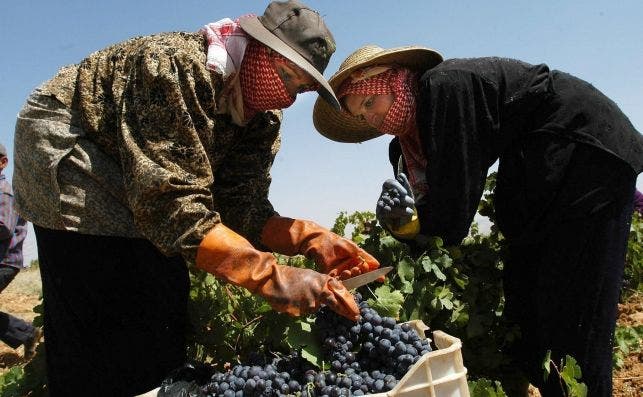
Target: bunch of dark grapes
[[369, 356], [374, 353], [244, 380]]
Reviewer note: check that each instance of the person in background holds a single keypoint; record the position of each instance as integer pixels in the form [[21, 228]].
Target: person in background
[[152, 156], [568, 163], [14, 331], [638, 202]]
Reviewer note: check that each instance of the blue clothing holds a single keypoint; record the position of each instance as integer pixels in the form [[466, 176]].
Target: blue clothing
[[13, 228]]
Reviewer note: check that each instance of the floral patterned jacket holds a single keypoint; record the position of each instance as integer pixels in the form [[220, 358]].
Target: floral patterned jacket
[[131, 142]]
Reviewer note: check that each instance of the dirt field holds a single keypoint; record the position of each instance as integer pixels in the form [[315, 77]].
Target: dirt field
[[23, 294]]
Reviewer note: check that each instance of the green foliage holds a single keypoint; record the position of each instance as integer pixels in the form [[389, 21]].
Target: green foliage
[[386, 302], [627, 340], [10, 381], [568, 373], [454, 289], [30, 378], [485, 388], [230, 322], [633, 272], [302, 335]]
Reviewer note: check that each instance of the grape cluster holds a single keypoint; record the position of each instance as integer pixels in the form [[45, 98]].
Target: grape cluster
[[244, 380], [369, 356], [374, 353]]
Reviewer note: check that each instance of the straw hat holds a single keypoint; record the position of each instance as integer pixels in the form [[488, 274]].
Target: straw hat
[[299, 33], [341, 126]]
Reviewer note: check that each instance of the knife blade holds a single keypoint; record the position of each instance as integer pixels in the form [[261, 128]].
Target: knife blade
[[400, 166], [363, 279]]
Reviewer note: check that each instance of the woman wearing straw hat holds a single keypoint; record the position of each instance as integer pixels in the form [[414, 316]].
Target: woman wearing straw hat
[[155, 153], [568, 162]]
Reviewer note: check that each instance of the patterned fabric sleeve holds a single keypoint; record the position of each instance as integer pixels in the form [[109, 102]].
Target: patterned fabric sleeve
[[185, 167], [163, 140]]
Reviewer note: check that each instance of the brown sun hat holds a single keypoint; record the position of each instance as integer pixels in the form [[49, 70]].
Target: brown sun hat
[[339, 125], [299, 33]]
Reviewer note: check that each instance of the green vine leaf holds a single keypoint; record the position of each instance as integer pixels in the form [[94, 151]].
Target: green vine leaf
[[443, 261], [547, 365], [387, 302], [427, 264], [301, 335], [406, 272]]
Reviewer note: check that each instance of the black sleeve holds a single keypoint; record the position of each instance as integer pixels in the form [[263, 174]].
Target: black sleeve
[[457, 119], [394, 153]]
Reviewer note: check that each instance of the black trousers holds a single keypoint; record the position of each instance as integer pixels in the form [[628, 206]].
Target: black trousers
[[13, 330], [115, 313], [563, 279]]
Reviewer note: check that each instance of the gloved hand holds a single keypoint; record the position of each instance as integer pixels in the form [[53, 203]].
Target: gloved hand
[[335, 255], [292, 290], [395, 208]]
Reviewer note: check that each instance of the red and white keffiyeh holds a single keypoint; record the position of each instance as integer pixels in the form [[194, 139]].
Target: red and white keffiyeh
[[400, 118], [397, 81], [232, 52], [226, 45], [261, 86]]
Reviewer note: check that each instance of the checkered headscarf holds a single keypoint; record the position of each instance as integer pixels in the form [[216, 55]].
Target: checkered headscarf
[[261, 87], [400, 118], [397, 81]]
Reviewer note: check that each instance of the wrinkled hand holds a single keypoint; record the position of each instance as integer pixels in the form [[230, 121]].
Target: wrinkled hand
[[335, 255], [396, 204], [291, 290]]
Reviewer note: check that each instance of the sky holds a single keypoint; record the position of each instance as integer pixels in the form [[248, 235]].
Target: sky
[[313, 177]]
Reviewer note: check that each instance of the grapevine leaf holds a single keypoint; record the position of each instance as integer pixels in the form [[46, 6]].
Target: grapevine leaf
[[438, 273], [388, 242], [359, 239], [547, 365], [388, 303], [301, 335], [264, 308], [571, 374], [461, 281], [427, 264], [485, 388], [443, 261], [407, 274], [578, 390], [436, 242], [413, 308], [571, 371]]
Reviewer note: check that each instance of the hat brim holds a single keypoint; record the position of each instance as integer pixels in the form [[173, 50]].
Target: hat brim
[[339, 125], [251, 25]]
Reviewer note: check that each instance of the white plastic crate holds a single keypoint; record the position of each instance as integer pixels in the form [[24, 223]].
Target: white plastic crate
[[440, 373]]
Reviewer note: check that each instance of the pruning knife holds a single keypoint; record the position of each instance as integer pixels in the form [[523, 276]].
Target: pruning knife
[[363, 279]]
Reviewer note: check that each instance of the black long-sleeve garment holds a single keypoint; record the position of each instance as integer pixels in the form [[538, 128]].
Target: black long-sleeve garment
[[568, 160], [471, 112]]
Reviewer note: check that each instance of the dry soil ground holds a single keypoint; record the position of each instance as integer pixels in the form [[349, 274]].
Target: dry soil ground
[[23, 293]]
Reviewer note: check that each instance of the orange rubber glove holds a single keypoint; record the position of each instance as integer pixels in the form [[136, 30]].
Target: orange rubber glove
[[295, 291], [335, 255]]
